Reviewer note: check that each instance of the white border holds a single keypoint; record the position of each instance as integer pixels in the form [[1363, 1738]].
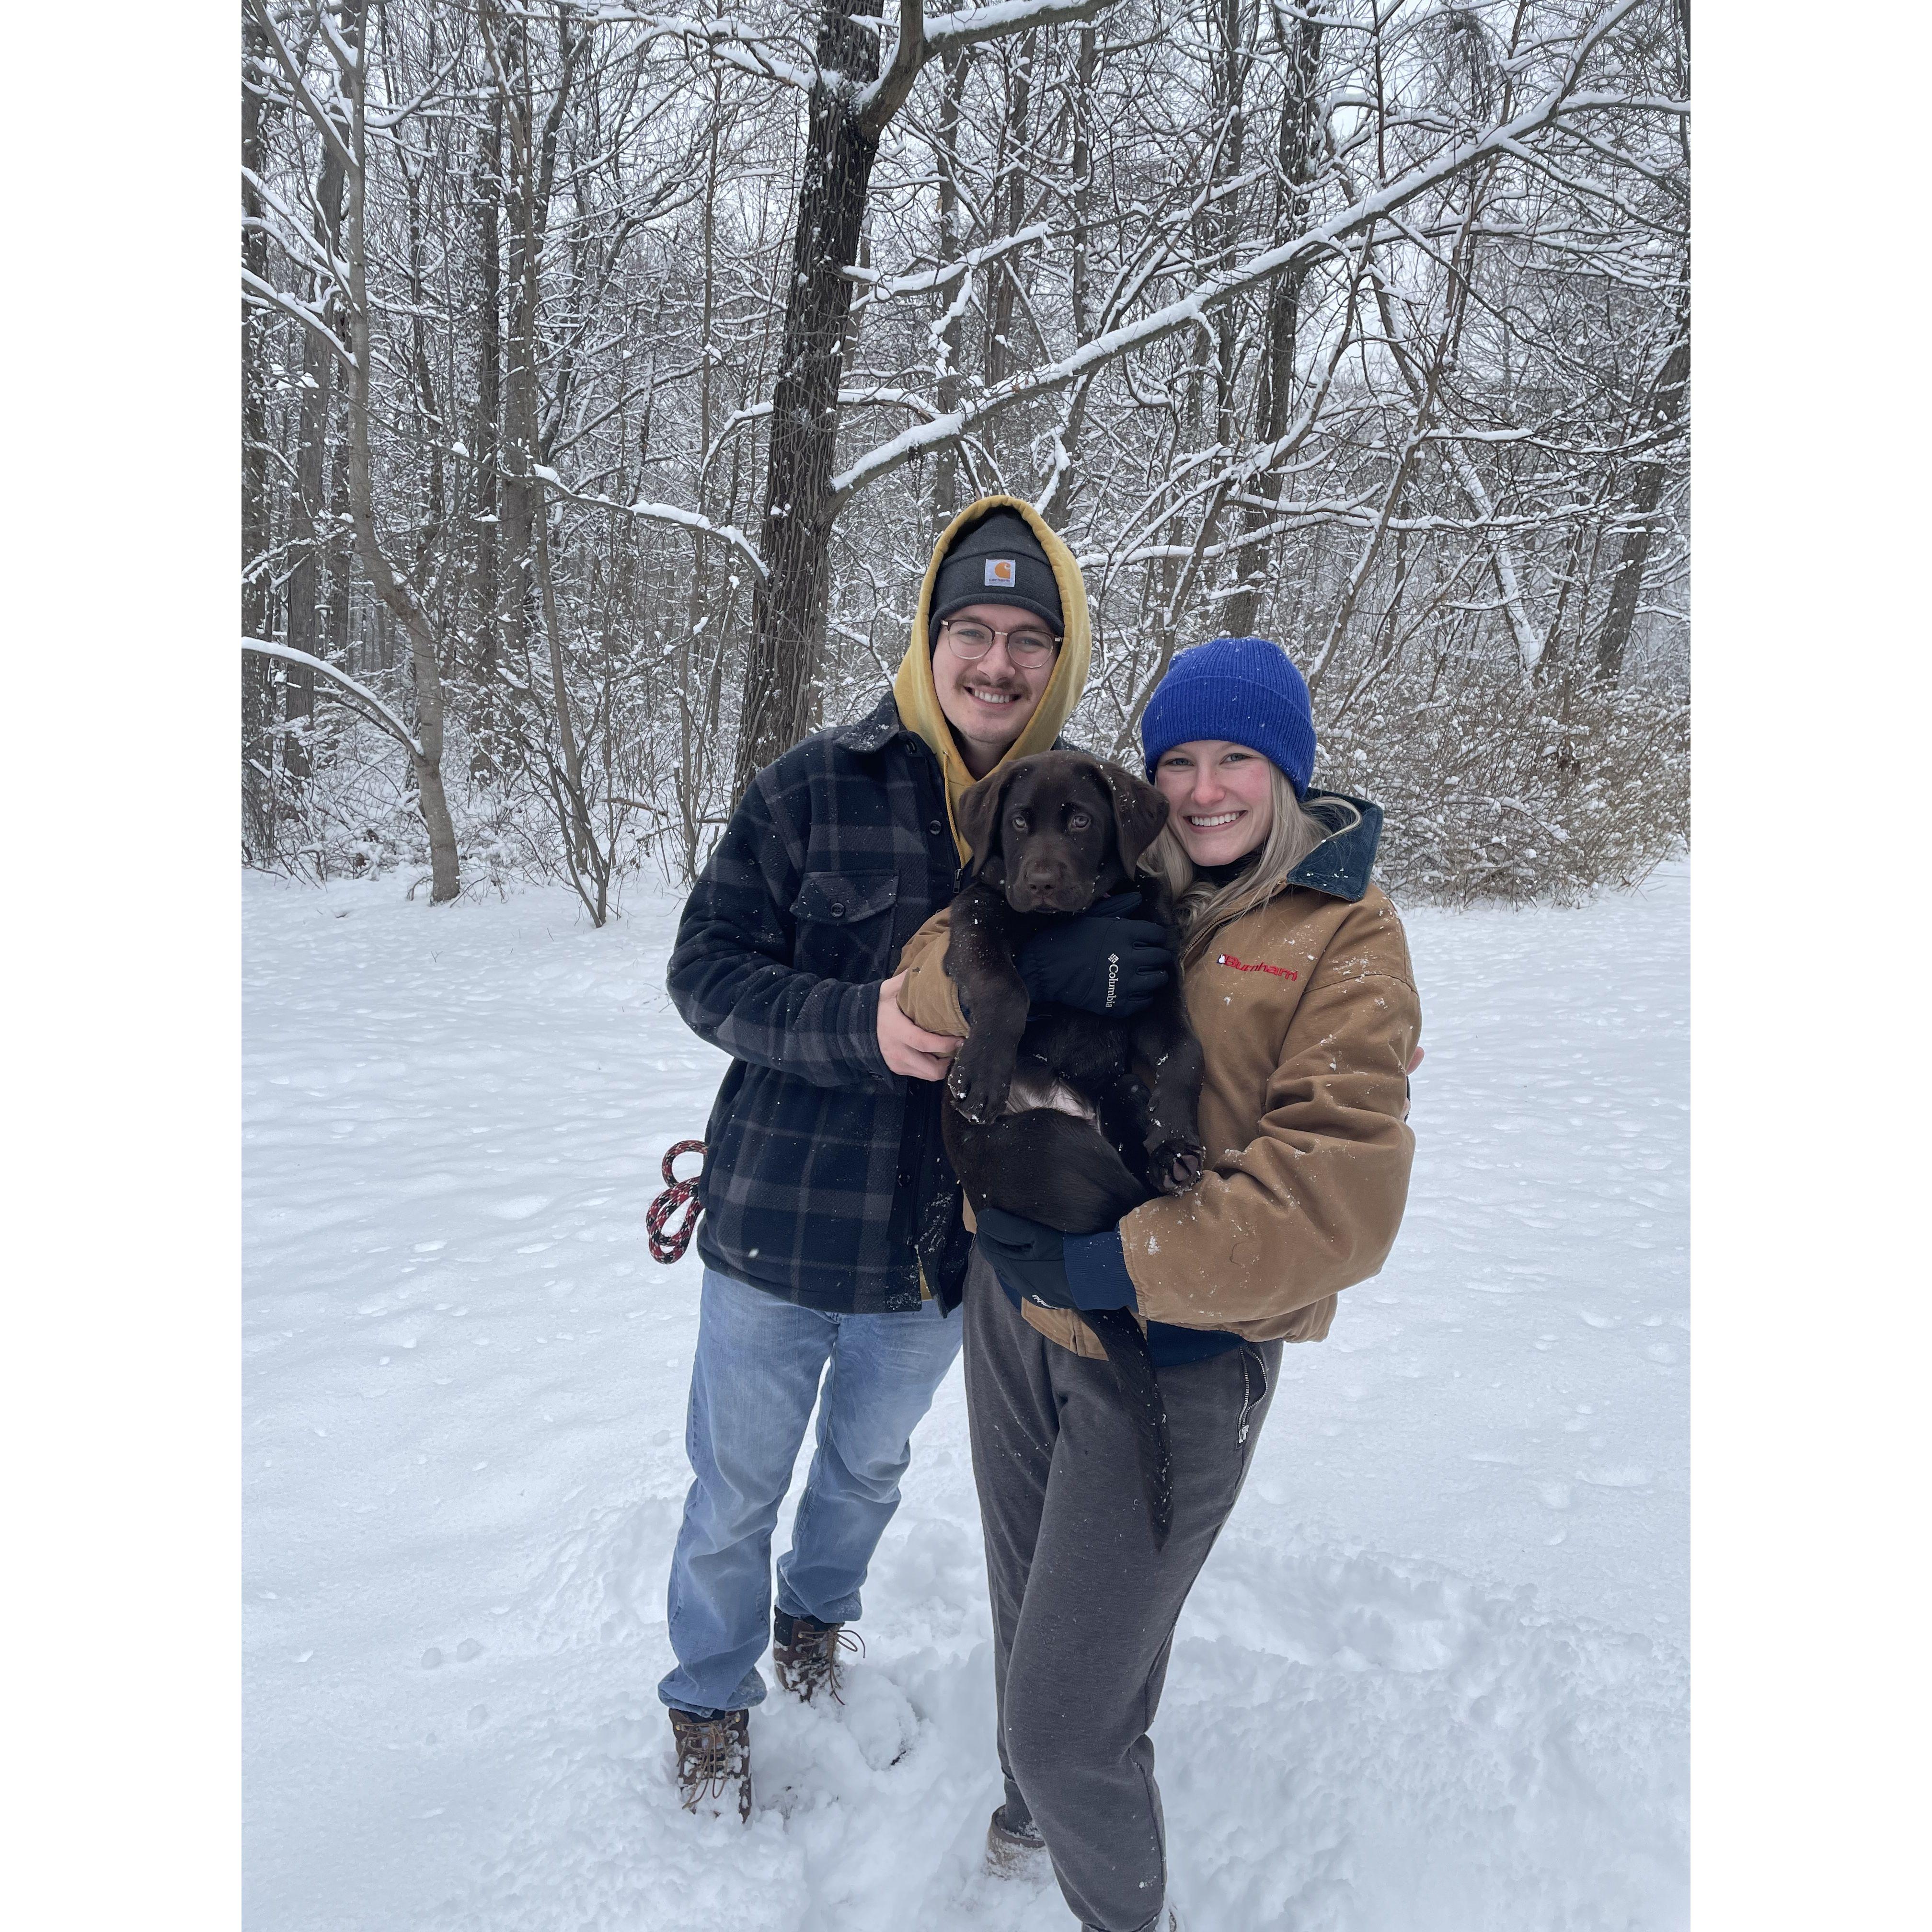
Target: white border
[[118, 360], [1809, 1288]]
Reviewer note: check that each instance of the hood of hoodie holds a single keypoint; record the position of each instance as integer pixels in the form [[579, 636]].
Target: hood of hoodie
[[917, 697]]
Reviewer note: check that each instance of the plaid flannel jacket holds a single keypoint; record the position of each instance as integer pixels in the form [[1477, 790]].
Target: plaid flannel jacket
[[825, 1180]]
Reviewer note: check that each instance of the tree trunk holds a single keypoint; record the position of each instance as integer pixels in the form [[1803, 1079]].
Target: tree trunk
[[788, 611], [258, 687], [340, 552], [484, 433], [1086, 67], [431, 431], [1658, 426], [307, 513], [403, 604], [520, 374], [574, 824], [952, 246], [1223, 223], [687, 782], [529, 185], [1056, 501], [1296, 147], [1001, 357]]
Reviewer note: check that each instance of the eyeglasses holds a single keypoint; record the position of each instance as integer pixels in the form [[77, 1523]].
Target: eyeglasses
[[1028, 649]]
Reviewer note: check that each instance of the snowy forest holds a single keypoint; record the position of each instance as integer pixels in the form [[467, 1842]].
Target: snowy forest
[[608, 374]]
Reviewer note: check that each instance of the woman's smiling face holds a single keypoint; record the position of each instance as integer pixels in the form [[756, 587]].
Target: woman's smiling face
[[1221, 797]]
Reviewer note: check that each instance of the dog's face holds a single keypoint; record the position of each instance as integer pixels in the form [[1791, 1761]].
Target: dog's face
[[1057, 832]]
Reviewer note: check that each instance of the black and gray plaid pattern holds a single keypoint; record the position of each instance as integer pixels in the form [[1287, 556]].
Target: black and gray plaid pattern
[[825, 1181]]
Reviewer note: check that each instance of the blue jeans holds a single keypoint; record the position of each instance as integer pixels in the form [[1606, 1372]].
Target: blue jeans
[[753, 1382]]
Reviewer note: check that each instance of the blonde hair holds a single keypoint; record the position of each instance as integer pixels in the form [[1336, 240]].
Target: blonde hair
[[1201, 906]]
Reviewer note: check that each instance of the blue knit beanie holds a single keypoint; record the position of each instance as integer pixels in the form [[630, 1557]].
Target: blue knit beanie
[[1244, 691]]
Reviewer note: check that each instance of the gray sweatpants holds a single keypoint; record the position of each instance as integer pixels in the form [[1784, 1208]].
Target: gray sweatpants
[[1084, 1605]]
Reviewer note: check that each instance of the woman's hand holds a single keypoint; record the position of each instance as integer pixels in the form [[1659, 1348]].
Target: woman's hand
[[909, 1049], [1031, 1259], [1103, 962]]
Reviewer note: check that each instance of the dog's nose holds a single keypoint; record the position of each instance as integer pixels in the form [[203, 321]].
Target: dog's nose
[[1043, 884]]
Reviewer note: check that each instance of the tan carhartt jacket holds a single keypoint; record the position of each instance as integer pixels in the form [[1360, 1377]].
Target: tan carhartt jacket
[[1308, 1016]]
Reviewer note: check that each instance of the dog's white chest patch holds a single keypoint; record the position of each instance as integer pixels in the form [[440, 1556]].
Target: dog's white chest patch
[[1034, 1087]]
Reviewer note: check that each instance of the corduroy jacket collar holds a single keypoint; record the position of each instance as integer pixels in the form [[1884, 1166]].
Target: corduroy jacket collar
[[875, 730], [1341, 866]]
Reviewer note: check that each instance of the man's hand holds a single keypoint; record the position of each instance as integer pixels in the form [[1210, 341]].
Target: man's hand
[[910, 1049]]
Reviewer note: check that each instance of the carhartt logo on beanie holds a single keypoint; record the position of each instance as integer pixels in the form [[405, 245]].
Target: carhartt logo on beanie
[[1241, 691], [998, 561]]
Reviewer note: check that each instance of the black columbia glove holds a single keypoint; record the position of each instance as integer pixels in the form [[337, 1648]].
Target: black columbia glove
[[1033, 1261], [1103, 962]]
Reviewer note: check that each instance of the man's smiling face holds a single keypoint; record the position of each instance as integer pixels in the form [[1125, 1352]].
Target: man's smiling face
[[988, 700]]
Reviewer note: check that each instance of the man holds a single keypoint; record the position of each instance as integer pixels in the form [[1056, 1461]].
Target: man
[[832, 1237]]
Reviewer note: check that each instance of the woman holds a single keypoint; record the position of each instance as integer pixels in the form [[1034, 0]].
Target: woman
[[1298, 983]]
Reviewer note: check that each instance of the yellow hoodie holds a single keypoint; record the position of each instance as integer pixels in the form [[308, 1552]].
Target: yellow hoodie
[[917, 697]]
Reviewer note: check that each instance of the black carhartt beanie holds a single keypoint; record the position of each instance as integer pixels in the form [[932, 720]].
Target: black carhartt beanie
[[998, 560]]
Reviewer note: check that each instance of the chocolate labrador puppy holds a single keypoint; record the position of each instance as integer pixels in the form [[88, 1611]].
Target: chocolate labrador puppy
[[1048, 1117]]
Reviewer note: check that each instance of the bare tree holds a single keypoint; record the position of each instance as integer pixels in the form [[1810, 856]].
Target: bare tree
[[1347, 321], [308, 518], [1657, 430], [343, 126], [257, 683], [852, 103]]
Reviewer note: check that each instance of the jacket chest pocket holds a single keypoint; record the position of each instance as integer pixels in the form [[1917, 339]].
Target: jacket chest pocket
[[845, 924]]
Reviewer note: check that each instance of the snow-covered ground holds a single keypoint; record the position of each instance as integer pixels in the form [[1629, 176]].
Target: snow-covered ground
[[1433, 1679]]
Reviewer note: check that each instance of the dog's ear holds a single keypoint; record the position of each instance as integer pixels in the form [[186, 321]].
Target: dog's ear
[[979, 808], [1139, 812]]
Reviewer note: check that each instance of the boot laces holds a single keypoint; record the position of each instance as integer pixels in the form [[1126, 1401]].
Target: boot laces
[[710, 1759], [815, 1658]]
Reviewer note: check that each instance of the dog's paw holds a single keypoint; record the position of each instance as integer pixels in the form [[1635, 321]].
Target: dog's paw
[[978, 1090], [1175, 1163]]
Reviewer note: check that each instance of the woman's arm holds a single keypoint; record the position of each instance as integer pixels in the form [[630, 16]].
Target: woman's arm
[[1313, 1202], [927, 995], [1109, 961]]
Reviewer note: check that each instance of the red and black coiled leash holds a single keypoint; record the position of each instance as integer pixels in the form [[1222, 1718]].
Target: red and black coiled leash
[[669, 1246]]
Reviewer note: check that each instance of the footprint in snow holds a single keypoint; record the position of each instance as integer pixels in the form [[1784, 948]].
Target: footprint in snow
[[520, 1207], [805, 1751], [1617, 1476]]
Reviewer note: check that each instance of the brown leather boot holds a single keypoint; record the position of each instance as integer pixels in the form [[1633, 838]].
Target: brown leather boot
[[805, 1654], [714, 1753]]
